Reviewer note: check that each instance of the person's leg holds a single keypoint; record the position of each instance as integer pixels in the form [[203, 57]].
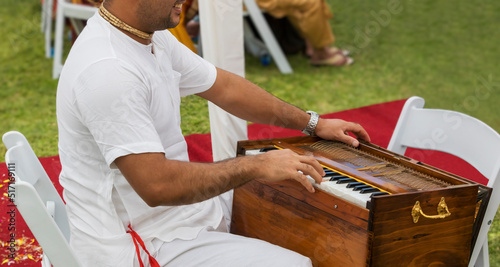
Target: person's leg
[[311, 19], [221, 249]]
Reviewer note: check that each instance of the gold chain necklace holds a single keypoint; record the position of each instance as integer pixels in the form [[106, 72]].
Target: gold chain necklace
[[122, 25]]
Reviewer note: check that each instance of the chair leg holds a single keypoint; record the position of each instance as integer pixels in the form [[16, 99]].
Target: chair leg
[[44, 14], [45, 261], [268, 37], [47, 14], [483, 258], [59, 40], [252, 44]]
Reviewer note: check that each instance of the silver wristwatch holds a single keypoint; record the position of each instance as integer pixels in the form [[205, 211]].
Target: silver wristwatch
[[311, 125]]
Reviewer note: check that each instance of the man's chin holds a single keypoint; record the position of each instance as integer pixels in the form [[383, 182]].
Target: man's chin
[[173, 23]]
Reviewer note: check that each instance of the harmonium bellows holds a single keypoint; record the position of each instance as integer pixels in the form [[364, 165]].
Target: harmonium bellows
[[374, 208]]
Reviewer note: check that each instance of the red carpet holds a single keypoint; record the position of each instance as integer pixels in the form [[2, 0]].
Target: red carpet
[[379, 120]]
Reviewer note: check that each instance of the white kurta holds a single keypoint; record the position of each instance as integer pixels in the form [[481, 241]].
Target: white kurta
[[115, 97]]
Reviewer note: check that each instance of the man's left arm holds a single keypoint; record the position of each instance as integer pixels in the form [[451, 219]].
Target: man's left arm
[[248, 101]]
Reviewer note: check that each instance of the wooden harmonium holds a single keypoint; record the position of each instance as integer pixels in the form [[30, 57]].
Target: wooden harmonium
[[374, 208]]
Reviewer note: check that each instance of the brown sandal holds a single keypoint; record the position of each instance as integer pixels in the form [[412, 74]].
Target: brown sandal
[[336, 60], [336, 50]]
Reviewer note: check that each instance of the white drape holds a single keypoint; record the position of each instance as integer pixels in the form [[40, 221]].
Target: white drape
[[222, 44]]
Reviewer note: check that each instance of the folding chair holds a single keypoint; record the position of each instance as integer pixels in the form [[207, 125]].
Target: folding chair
[[267, 36], [66, 9], [47, 7], [75, 12], [39, 203], [462, 136]]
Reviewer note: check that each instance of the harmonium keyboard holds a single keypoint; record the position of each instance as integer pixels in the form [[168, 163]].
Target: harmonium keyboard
[[373, 208]]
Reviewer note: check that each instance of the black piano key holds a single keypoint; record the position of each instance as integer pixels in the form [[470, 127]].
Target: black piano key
[[351, 185], [379, 194], [336, 177], [359, 187], [328, 172], [334, 174], [345, 180], [265, 149], [368, 190]]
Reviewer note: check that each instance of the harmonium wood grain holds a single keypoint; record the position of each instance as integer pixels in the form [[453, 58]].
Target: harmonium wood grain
[[374, 208]]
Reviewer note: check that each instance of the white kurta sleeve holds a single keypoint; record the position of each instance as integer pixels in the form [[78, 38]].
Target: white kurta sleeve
[[116, 110]]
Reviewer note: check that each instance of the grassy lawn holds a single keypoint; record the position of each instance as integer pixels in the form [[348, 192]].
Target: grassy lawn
[[444, 51]]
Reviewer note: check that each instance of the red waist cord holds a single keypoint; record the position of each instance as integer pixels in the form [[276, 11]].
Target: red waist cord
[[137, 239]]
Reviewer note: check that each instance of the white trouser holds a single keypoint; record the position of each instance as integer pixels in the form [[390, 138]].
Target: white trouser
[[219, 248]]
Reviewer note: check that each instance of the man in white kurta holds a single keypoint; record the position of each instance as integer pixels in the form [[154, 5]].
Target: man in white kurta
[[131, 194], [115, 97]]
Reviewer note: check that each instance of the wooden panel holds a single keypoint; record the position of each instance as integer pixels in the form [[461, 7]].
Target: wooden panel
[[398, 241], [253, 144], [324, 201], [334, 232], [262, 212]]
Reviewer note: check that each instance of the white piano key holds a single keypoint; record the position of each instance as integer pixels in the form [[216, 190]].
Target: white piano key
[[341, 191], [253, 152]]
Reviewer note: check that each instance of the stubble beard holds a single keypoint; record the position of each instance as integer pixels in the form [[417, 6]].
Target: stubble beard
[[153, 21], [170, 23]]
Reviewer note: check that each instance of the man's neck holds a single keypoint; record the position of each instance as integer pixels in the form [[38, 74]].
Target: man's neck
[[127, 16], [136, 38]]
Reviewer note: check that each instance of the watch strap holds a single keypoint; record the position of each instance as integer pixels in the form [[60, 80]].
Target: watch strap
[[311, 125]]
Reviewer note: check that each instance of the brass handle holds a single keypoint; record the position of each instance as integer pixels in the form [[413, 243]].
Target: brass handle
[[442, 210]]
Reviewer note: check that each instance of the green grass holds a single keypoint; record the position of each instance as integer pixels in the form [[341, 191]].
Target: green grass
[[27, 93], [444, 51]]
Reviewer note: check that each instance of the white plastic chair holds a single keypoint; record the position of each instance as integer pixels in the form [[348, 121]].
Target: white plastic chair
[[267, 35], [460, 135], [75, 12], [47, 7], [66, 9], [39, 203]]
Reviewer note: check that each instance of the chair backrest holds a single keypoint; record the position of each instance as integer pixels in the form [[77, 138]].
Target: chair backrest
[[66, 9], [460, 135], [38, 201]]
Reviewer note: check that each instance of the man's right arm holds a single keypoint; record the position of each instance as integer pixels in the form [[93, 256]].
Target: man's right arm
[[160, 181]]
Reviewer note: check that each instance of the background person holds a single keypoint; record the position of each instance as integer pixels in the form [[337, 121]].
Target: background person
[[311, 19]]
